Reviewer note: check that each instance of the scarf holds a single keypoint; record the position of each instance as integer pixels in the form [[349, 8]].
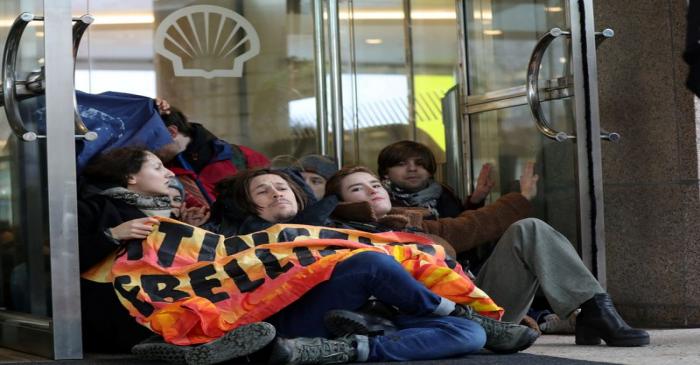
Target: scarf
[[424, 198], [149, 205]]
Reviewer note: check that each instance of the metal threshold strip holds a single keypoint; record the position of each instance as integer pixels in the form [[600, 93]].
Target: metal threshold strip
[[558, 88], [25, 333]]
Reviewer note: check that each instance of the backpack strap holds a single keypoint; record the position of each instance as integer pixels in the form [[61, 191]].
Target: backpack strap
[[238, 158]]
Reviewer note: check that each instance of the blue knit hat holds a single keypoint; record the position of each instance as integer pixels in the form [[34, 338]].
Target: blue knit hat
[[177, 185], [322, 165]]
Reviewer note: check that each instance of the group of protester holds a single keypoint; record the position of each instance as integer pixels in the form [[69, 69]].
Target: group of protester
[[371, 306]]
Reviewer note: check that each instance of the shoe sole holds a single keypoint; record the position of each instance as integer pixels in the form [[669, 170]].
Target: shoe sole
[[161, 351], [531, 338], [241, 341], [342, 323]]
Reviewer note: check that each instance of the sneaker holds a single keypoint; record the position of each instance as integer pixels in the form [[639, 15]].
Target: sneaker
[[553, 324], [501, 337], [312, 351], [155, 348], [242, 341], [344, 322]]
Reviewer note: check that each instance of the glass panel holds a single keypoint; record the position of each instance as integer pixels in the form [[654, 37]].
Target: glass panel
[[376, 85], [507, 139], [270, 106], [501, 35], [24, 239]]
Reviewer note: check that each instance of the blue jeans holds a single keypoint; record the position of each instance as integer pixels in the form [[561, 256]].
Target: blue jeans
[[374, 274]]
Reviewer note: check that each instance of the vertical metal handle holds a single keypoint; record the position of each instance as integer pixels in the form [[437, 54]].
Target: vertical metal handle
[[533, 99], [9, 61], [79, 27], [34, 84]]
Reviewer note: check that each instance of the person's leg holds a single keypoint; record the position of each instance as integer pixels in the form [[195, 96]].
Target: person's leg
[[530, 254], [426, 338], [353, 282]]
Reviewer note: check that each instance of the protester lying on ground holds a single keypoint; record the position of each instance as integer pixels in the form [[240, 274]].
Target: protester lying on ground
[[203, 159], [122, 191], [529, 255], [407, 169], [272, 197]]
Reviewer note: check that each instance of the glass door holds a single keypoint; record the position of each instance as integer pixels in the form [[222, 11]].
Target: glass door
[[38, 247], [530, 94]]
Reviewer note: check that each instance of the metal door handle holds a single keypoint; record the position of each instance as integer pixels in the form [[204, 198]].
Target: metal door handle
[[532, 95], [79, 27], [9, 60], [13, 90]]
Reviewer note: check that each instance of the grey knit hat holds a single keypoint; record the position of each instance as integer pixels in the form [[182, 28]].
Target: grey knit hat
[[322, 165], [177, 185]]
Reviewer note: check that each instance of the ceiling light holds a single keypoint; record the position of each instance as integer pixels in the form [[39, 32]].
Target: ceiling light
[[553, 9], [373, 41], [493, 32]]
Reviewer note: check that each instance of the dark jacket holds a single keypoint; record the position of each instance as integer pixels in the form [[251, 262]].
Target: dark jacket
[[209, 159], [107, 325]]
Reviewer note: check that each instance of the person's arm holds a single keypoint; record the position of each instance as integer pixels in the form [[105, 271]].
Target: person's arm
[[475, 227]]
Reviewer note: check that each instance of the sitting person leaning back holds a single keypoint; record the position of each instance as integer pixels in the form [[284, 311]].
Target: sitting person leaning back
[[529, 254], [120, 192], [272, 197]]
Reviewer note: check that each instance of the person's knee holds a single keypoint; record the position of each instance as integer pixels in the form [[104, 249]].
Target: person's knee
[[370, 262]]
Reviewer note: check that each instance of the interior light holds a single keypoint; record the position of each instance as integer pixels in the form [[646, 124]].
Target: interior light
[[373, 41], [553, 9], [493, 32], [562, 59]]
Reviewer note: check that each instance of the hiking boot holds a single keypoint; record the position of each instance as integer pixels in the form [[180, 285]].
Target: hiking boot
[[241, 341], [344, 322], [501, 337], [313, 351], [155, 348], [599, 320]]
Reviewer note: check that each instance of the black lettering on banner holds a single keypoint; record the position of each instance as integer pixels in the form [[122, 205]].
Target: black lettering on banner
[[208, 250], [134, 250], [365, 240], [304, 255], [260, 238], [174, 233], [330, 250], [240, 277], [151, 285], [203, 286], [429, 249], [329, 234], [235, 245], [146, 309], [289, 234], [273, 268]]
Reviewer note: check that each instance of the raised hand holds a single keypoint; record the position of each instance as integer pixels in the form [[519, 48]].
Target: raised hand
[[134, 229], [163, 106], [484, 184], [528, 181]]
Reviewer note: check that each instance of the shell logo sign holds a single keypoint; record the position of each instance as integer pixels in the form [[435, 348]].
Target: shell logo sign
[[207, 41]]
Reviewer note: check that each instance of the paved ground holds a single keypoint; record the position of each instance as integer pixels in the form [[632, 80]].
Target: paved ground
[[677, 347], [667, 347]]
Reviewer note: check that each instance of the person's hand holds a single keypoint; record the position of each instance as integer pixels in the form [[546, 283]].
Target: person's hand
[[484, 184], [163, 106], [134, 229], [195, 216], [528, 181]]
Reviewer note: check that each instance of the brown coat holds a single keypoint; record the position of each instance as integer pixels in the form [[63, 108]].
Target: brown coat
[[464, 232]]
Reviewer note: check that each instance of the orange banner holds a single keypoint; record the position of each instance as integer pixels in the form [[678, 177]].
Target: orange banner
[[192, 286]]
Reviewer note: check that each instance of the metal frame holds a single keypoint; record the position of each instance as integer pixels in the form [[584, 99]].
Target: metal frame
[[60, 142], [320, 74], [588, 142], [336, 81]]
